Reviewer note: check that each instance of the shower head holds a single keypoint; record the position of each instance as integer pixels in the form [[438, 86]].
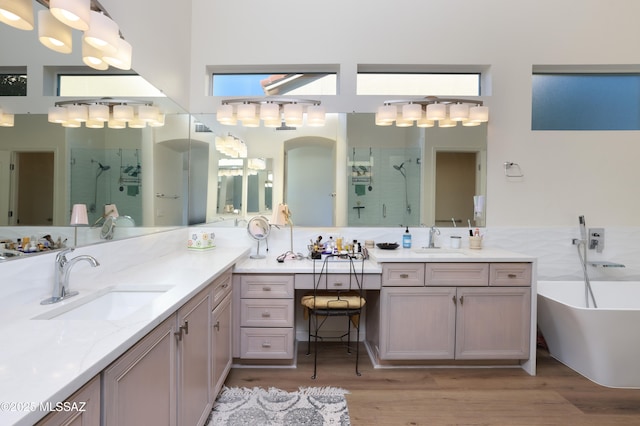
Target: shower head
[[398, 168], [103, 168]]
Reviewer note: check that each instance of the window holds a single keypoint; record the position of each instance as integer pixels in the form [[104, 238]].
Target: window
[[100, 85], [412, 84], [574, 101], [13, 85], [296, 84]]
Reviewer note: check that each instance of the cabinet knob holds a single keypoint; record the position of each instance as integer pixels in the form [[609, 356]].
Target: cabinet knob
[[453, 299], [512, 276], [266, 288], [266, 344], [404, 275], [266, 314], [461, 300], [217, 325]]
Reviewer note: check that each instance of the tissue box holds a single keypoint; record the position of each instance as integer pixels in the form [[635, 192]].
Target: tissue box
[[200, 239]]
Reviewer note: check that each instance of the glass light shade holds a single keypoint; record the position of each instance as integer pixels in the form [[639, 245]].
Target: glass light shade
[[1, 113], [479, 113], [121, 58], [272, 123], [116, 124], [436, 112], [423, 122], [71, 124], [78, 113], [53, 34], [158, 122], [7, 120], [99, 112], [92, 57], [57, 114], [387, 113], [103, 33], [136, 123], [459, 112], [148, 112], [447, 123], [110, 210], [469, 123], [17, 13], [401, 122], [270, 112], [412, 112], [251, 122], [79, 215], [316, 116], [123, 112], [293, 114], [246, 111], [382, 122], [94, 124], [225, 114], [74, 13]]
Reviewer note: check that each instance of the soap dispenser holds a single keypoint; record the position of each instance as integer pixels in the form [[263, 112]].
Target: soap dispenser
[[406, 239]]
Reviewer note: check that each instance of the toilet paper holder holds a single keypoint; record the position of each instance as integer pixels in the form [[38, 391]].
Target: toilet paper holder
[[516, 172]]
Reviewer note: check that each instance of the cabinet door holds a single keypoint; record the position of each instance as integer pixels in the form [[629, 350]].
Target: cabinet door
[[417, 323], [194, 337], [220, 345], [139, 388], [493, 323], [87, 400]]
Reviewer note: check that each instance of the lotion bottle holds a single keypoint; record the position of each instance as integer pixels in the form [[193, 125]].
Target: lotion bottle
[[406, 239]]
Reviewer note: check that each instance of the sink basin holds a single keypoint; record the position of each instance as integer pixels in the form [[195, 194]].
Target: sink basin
[[110, 305]]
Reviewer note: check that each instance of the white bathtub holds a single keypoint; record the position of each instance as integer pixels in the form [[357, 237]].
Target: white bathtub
[[602, 344]]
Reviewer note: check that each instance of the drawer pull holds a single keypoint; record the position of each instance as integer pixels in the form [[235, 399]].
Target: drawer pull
[[266, 315], [225, 285], [453, 299], [337, 284], [217, 325], [404, 275], [266, 288], [512, 276], [266, 345], [461, 300]]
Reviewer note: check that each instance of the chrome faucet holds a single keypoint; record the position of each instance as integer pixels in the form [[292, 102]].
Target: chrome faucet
[[431, 242], [63, 268]]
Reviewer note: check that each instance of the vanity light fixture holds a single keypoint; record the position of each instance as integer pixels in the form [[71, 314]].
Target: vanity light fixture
[[102, 44], [425, 112], [272, 111], [117, 113], [231, 146]]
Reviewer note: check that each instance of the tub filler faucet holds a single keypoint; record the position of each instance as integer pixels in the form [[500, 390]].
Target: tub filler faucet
[[63, 269]]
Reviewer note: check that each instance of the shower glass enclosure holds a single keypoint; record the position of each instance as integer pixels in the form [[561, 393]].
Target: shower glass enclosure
[[107, 176], [384, 187]]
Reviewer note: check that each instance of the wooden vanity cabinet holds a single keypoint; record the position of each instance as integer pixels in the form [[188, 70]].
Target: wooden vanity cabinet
[[264, 317], [461, 311], [85, 404], [169, 376]]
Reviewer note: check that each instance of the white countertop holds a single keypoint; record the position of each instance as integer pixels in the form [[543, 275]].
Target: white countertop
[[47, 360], [447, 255]]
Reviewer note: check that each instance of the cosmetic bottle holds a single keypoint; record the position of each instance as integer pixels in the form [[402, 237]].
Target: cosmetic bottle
[[406, 239]]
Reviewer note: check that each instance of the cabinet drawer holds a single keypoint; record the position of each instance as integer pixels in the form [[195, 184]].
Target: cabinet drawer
[[403, 274], [266, 313], [337, 282], [457, 274], [266, 286], [510, 274], [221, 287], [266, 343]]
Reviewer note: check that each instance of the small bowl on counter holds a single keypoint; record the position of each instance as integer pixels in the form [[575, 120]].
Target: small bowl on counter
[[388, 246]]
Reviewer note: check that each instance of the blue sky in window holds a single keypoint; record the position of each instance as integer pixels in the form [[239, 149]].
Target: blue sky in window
[[238, 84]]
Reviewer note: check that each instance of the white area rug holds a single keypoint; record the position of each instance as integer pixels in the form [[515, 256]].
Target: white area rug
[[257, 406]]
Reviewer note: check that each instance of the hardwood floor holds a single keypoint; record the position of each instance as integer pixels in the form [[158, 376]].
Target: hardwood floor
[[446, 396]]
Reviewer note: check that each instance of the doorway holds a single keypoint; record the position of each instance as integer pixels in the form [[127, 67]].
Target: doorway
[[455, 187], [32, 189], [310, 181]]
